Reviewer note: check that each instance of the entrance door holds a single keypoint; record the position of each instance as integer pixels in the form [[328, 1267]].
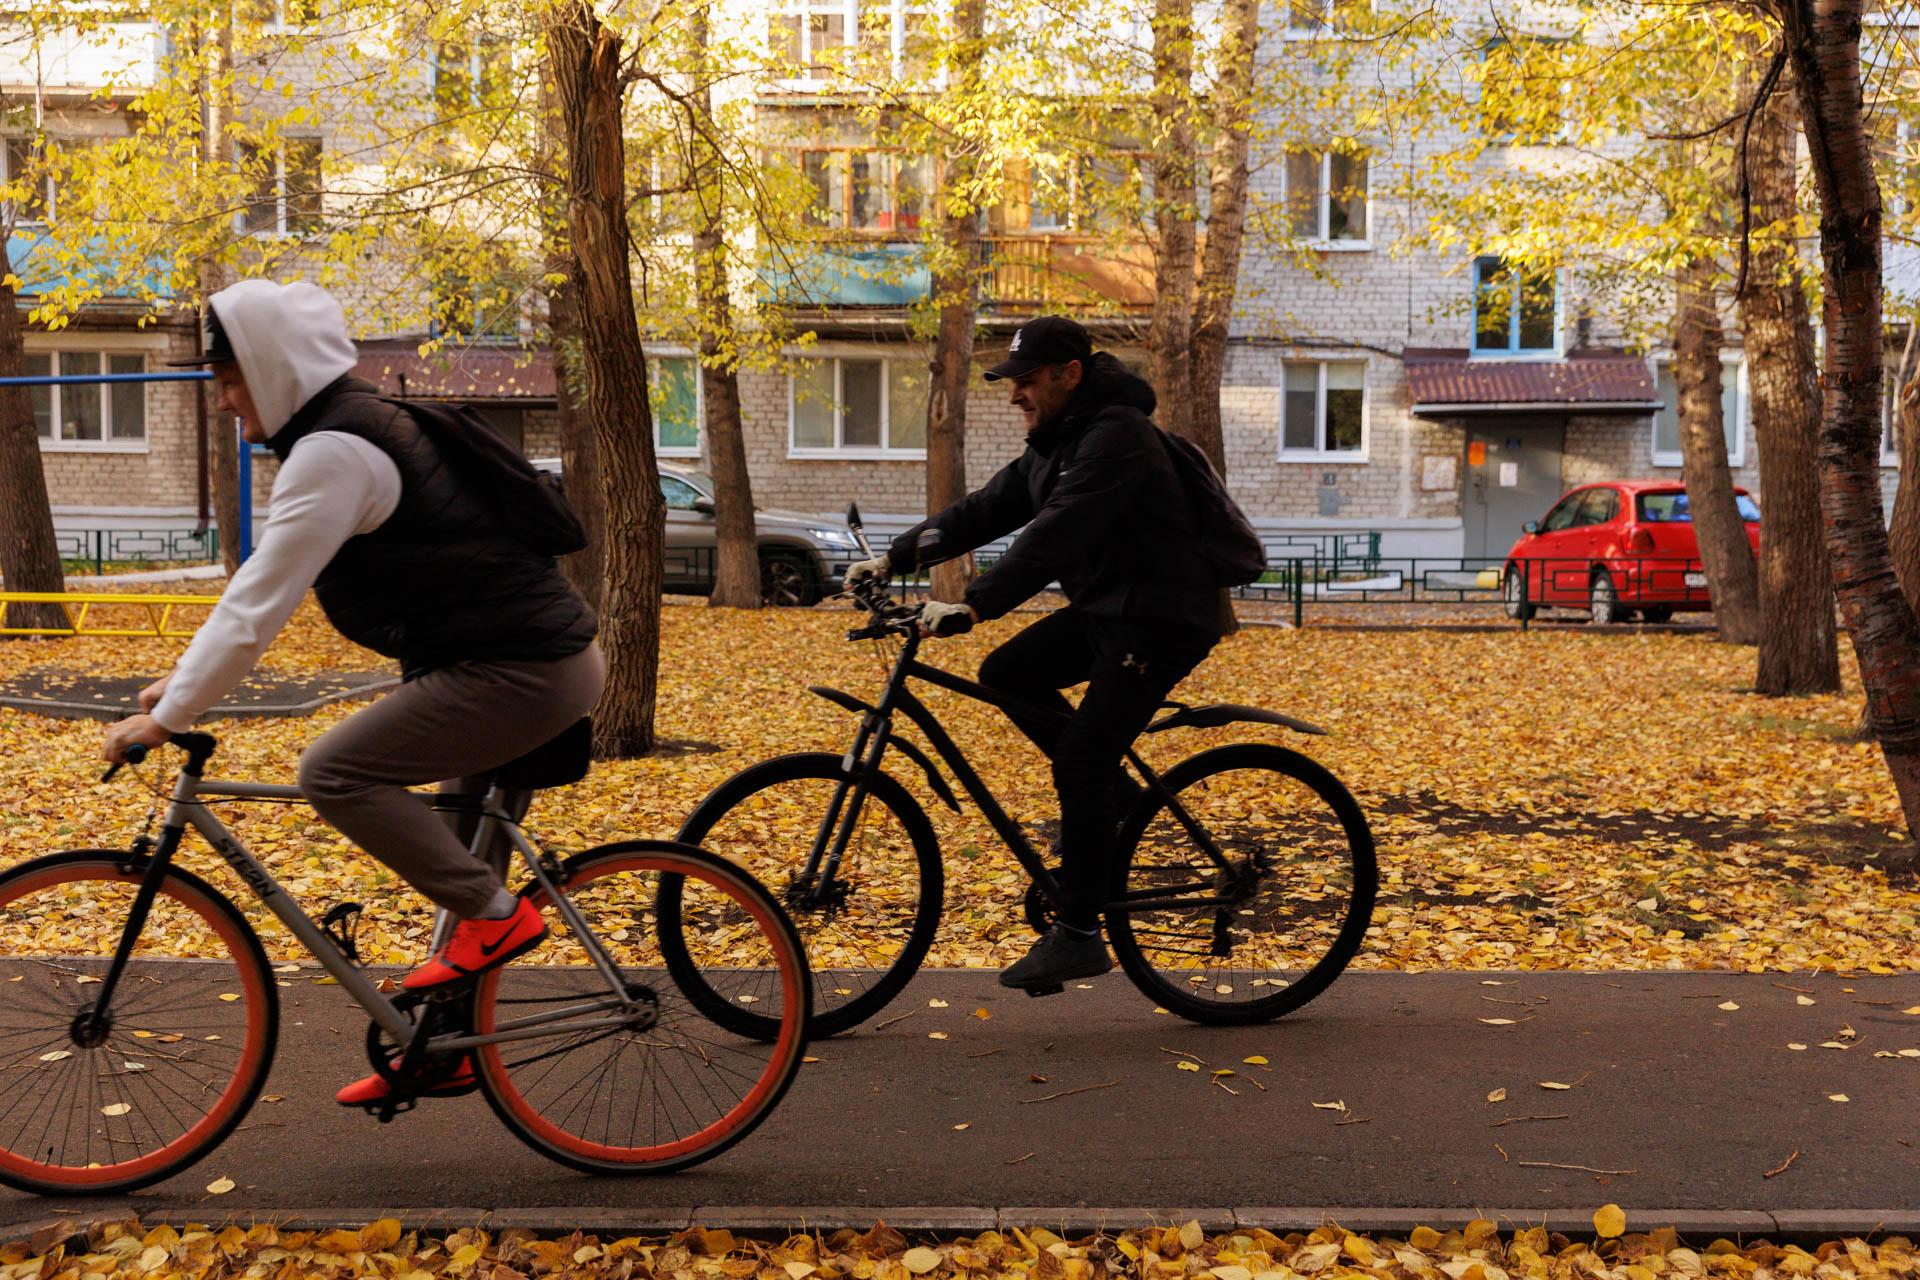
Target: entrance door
[[1513, 476]]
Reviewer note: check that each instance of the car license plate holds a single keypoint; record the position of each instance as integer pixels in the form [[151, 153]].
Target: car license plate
[[1697, 580]]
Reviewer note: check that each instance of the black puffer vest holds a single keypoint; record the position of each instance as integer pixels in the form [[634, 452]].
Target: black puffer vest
[[440, 581]]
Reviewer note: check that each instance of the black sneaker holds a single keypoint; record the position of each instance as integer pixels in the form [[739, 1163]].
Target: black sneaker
[[1061, 956]]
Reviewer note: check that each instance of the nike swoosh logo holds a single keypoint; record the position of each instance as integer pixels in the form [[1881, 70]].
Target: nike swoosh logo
[[486, 950]]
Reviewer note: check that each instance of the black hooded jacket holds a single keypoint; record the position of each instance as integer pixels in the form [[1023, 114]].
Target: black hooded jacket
[[1105, 514]]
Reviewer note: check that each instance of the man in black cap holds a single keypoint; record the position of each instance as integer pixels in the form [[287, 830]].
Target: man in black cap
[[1107, 517]]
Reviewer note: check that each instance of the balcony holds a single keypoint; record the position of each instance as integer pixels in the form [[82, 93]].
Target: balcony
[[122, 56], [1025, 273]]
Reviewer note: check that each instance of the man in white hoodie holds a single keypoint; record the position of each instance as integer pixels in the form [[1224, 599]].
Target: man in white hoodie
[[497, 650]]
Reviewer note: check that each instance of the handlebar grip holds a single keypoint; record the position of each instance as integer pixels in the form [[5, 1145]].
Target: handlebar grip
[[136, 753]]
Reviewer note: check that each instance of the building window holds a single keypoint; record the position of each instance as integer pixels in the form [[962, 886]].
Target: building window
[[475, 310], [1326, 195], [284, 187], [673, 391], [1324, 409], [28, 172], [88, 415], [814, 39], [811, 36], [468, 75], [277, 13], [1515, 312], [1733, 413], [858, 407], [867, 190], [1524, 81]]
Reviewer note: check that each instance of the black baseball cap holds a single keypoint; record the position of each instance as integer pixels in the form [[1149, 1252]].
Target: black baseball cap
[[1048, 340], [214, 346]]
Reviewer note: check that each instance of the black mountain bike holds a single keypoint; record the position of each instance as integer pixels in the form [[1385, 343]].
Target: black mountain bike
[[1248, 873]]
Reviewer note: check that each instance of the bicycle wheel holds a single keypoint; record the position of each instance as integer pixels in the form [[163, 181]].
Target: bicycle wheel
[[1271, 929], [867, 940], [92, 1105], [669, 1089]]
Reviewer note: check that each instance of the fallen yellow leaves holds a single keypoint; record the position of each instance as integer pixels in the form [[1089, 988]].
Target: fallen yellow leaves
[[384, 1250], [1524, 830]]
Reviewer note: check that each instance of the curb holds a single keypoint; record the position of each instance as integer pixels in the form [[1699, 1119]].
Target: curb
[[1075, 1220]]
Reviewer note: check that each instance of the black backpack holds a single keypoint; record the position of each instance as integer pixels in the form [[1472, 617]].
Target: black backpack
[[1228, 548], [530, 503]]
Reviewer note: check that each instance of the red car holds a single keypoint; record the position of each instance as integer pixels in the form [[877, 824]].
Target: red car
[[1616, 548]]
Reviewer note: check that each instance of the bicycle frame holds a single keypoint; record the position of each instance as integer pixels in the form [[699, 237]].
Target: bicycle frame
[[862, 761], [186, 808]]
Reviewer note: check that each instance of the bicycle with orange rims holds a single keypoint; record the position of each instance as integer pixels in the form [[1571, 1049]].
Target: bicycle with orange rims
[[139, 1011]]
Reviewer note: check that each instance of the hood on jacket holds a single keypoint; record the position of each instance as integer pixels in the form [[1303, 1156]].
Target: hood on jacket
[[1106, 382], [290, 340]]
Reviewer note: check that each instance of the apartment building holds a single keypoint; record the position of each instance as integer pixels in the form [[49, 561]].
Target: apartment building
[[1436, 400]]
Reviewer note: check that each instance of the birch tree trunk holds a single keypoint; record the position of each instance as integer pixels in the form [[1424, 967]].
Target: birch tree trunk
[[216, 110]]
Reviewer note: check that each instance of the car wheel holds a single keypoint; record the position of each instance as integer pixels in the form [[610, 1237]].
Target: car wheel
[[1659, 613], [1513, 594], [1603, 601], [787, 581]]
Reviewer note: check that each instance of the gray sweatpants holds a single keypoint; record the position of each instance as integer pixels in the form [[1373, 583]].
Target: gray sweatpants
[[446, 726]]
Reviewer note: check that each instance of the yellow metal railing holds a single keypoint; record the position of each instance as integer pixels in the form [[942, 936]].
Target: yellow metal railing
[[77, 608]]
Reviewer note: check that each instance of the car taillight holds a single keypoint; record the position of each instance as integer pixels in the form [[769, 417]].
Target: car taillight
[[1639, 540]]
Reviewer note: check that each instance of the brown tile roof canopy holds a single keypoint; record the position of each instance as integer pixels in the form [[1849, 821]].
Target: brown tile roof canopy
[[468, 373], [1620, 384]]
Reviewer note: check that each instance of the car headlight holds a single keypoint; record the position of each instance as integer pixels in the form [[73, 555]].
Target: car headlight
[[834, 537]]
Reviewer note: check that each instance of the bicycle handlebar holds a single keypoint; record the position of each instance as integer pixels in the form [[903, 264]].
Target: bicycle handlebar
[[198, 747]]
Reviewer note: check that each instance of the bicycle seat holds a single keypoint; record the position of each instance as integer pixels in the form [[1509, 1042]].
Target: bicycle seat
[[555, 763]]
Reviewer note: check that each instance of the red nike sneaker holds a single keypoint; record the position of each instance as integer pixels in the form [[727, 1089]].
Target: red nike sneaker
[[479, 945], [368, 1090]]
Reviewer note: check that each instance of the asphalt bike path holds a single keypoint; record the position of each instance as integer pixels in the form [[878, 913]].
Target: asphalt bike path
[[1675, 1095]]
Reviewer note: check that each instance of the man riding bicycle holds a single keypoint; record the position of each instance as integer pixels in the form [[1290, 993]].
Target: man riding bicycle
[[1107, 517], [497, 650]]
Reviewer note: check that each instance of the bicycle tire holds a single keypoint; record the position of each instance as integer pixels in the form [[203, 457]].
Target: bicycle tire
[[519, 1098], [1189, 998], [189, 987], [834, 1012]]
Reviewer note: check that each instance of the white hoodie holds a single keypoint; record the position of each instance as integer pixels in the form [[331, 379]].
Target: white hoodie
[[290, 341]]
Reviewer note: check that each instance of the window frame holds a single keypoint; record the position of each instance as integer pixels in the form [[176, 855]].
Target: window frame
[[1323, 241], [1320, 453], [282, 199], [886, 451], [844, 153], [106, 443], [50, 193], [1743, 414], [698, 449], [1515, 315], [810, 72]]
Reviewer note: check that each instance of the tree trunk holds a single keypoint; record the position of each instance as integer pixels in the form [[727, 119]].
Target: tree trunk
[[1798, 646], [587, 80], [29, 556], [736, 579], [1170, 332], [1725, 553], [1903, 530], [216, 109], [1226, 224], [579, 460], [956, 283], [1823, 46]]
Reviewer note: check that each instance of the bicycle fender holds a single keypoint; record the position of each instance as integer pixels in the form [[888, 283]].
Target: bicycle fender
[[907, 748], [1227, 713]]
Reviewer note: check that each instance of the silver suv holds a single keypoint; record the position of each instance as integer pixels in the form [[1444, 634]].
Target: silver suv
[[801, 556]]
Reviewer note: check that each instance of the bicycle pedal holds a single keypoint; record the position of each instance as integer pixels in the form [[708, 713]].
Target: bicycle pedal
[[386, 1110], [1044, 991]]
